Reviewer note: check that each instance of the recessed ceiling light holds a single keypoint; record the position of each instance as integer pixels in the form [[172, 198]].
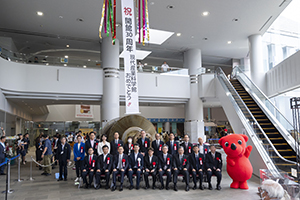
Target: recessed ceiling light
[[170, 6], [79, 19], [178, 34], [208, 70], [205, 38], [39, 13], [229, 42], [152, 3], [235, 20], [65, 65], [66, 56], [67, 46], [84, 66], [60, 17], [89, 59], [146, 64], [192, 36], [205, 13]]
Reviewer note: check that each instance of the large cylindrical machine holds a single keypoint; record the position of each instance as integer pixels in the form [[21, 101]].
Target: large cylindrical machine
[[129, 125]]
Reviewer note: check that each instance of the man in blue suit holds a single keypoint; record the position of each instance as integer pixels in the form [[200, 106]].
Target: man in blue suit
[[78, 151], [135, 166], [2, 154]]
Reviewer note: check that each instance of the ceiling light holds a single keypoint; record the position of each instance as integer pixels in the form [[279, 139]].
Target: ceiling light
[[79, 19], [152, 3], [89, 59], [65, 65], [39, 13], [178, 34], [170, 6], [235, 20], [61, 17], [205, 38], [205, 13], [67, 46], [66, 56], [146, 64], [229, 42], [84, 66], [208, 70]]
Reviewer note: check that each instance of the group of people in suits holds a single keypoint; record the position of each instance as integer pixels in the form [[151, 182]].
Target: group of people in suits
[[145, 159]]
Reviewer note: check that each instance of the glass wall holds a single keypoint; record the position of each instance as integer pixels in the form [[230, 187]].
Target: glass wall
[[282, 39]]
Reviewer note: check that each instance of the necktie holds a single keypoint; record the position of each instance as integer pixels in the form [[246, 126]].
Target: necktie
[[150, 159], [90, 160], [120, 160], [180, 159], [213, 155], [116, 142], [196, 156], [165, 157], [186, 144], [78, 147], [157, 143], [104, 158]]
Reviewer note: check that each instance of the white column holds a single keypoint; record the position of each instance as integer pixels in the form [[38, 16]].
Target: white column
[[256, 61], [167, 127], [194, 125], [110, 107]]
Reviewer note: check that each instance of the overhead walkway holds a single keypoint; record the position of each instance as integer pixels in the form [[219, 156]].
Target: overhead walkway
[[267, 128]]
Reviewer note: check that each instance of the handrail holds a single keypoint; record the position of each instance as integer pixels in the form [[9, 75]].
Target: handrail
[[249, 112], [241, 71]]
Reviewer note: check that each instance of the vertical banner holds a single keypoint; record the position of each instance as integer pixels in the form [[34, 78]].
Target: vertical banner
[[159, 127], [129, 48]]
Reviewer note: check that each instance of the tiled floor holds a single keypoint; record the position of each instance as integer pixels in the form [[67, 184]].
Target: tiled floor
[[48, 188]]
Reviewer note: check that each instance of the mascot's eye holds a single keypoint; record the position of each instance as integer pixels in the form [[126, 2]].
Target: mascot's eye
[[240, 141], [226, 144]]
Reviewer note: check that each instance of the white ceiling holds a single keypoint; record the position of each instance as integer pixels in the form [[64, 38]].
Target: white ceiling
[[32, 34]]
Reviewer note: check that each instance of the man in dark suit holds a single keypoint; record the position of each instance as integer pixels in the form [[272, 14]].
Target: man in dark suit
[[120, 167], [187, 146], [104, 166], [164, 167], [2, 154], [136, 166], [213, 161], [197, 163], [181, 166], [89, 166], [56, 142], [92, 143], [63, 155], [115, 144], [203, 148], [157, 145], [151, 166], [144, 143], [173, 146]]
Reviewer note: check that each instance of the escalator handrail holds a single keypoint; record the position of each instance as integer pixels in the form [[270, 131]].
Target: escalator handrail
[[241, 71], [262, 131]]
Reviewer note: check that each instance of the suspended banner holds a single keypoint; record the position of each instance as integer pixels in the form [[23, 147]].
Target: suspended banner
[[129, 49]]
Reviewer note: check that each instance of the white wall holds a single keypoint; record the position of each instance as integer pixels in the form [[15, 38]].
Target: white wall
[[285, 76], [67, 113], [206, 86]]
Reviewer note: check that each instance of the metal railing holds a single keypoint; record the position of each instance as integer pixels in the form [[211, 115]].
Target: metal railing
[[272, 112]]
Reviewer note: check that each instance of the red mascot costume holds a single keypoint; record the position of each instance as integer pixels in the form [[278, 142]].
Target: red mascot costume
[[239, 167]]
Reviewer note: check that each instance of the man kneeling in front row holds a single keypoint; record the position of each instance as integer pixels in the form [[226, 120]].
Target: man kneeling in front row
[[104, 166], [89, 166]]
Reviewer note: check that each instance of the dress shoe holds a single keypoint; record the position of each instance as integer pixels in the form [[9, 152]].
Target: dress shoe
[[86, 186], [146, 187], [161, 187], [167, 188], [60, 179], [175, 188], [65, 179], [137, 187], [48, 174], [131, 187], [210, 187], [3, 174], [153, 187], [121, 188], [195, 187], [201, 187], [44, 173], [187, 188], [40, 168], [218, 187], [106, 187], [98, 187], [113, 188]]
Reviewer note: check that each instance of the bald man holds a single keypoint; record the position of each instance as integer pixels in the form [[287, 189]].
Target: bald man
[[203, 148]]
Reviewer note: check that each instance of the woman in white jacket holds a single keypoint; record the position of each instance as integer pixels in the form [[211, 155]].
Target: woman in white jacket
[[103, 141]]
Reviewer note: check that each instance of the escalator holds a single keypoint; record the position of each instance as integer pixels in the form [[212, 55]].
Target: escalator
[[280, 143], [272, 140]]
